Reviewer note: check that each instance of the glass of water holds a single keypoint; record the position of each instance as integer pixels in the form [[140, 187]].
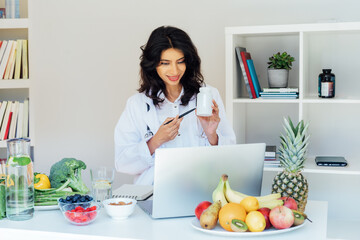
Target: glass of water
[[101, 180]]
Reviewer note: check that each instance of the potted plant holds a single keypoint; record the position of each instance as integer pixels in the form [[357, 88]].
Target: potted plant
[[278, 69]]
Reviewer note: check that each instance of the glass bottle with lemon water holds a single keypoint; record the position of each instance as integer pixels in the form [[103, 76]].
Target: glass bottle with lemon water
[[101, 180], [19, 180]]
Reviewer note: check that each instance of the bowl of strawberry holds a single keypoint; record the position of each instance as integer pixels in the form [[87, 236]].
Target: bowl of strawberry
[[79, 215]]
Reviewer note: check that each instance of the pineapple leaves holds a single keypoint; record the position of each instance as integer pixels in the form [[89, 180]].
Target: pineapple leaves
[[293, 146]]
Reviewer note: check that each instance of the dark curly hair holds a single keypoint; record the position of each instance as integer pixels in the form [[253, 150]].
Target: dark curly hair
[[163, 38]]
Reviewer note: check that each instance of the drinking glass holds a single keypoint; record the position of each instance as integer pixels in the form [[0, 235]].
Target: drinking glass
[[101, 180]]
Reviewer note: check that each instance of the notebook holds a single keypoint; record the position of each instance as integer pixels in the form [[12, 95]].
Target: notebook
[[183, 177], [137, 192]]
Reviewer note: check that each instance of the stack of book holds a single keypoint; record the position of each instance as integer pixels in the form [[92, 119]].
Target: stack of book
[[280, 93], [248, 72], [14, 59], [270, 157], [14, 119]]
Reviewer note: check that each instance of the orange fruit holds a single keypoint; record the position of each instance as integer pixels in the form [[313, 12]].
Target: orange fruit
[[250, 204], [255, 221], [230, 211]]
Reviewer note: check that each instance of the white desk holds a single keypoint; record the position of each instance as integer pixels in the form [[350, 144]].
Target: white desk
[[52, 225]]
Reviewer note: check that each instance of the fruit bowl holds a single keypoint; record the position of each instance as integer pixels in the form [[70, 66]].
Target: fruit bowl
[[77, 214], [119, 208]]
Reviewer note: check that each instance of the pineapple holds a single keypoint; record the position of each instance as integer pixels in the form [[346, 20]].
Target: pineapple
[[290, 182]]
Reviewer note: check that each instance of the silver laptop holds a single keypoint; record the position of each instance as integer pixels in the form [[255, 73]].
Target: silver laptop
[[183, 177]]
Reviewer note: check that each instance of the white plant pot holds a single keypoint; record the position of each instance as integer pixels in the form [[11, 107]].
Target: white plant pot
[[278, 78]]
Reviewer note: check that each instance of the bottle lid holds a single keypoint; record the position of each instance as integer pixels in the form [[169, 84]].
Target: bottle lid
[[204, 89], [328, 70]]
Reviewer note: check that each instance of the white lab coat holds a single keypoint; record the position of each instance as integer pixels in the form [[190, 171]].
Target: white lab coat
[[140, 120]]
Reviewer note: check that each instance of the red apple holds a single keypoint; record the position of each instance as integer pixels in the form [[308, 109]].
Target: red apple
[[266, 211], [281, 217], [201, 207], [289, 202]]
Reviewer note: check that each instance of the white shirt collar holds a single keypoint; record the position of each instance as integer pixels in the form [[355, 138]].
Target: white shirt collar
[[162, 95]]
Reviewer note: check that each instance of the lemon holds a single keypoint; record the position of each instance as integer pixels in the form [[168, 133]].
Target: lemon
[[102, 184], [250, 204], [255, 221]]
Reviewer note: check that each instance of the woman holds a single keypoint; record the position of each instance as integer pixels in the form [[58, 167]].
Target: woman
[[170, 80]]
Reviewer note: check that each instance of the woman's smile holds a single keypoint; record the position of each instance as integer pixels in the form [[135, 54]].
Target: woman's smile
[[173, 78]]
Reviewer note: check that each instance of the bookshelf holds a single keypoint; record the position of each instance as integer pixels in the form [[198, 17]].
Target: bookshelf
[[314, 46], [334, 123], [17, 89]]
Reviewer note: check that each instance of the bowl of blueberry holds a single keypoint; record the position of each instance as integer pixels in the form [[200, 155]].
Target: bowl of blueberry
[[77, 199]]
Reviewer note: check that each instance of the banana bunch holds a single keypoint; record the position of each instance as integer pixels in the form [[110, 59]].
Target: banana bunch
[[219, 193], [225, 194]]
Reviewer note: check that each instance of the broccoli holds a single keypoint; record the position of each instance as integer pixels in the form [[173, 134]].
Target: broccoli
[[68, 169]]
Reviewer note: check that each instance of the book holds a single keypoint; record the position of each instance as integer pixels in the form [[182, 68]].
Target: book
[[10, 62], [242, 68], [19, 125], [270, 151], [245, 56], [279, 97], [2, 50], [254, 77], [278, 93], [15, 111], [18, 59], [25, 125], [5, 120], [137, 192], [25, 71], [290, 89], [2, 112], [12, 8], [7, 129], [5, 58]]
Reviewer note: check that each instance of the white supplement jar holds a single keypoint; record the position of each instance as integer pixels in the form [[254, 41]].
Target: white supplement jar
[[204, 102]]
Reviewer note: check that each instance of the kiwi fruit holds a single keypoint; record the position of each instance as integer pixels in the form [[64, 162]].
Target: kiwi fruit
[[238, 225], [299, 218]]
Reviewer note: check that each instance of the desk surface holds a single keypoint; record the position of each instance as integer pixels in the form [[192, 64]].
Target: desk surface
[[52, 225]]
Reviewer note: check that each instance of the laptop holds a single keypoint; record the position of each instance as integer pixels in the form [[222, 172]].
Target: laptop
[[183, 177]]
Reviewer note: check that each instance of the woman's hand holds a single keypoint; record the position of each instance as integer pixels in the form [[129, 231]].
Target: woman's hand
[[210, 124], [166, 132]]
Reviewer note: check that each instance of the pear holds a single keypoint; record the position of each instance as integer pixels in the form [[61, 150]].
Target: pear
[[209, 217]]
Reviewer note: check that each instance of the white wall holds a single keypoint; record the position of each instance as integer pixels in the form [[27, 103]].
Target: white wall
[[84, 60]]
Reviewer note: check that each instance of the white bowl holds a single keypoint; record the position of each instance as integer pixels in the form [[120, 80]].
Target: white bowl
[[119, 212]]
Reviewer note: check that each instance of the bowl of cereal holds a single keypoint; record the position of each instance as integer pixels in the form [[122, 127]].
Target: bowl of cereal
[[119, 208]]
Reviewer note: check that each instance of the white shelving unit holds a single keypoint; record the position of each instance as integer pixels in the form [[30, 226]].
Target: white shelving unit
[[334, 123], [17, 89]]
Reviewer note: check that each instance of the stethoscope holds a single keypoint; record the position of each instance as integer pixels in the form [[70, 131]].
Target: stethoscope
[[148, 133]]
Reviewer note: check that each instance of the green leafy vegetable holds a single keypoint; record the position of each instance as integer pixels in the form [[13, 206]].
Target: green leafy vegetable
[[2, 201], [68, 169]]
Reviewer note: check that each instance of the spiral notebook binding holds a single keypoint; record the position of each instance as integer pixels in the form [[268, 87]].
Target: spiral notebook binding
[[125, 196]]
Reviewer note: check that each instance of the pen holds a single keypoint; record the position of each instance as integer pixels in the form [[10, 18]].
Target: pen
[[182, 115]]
